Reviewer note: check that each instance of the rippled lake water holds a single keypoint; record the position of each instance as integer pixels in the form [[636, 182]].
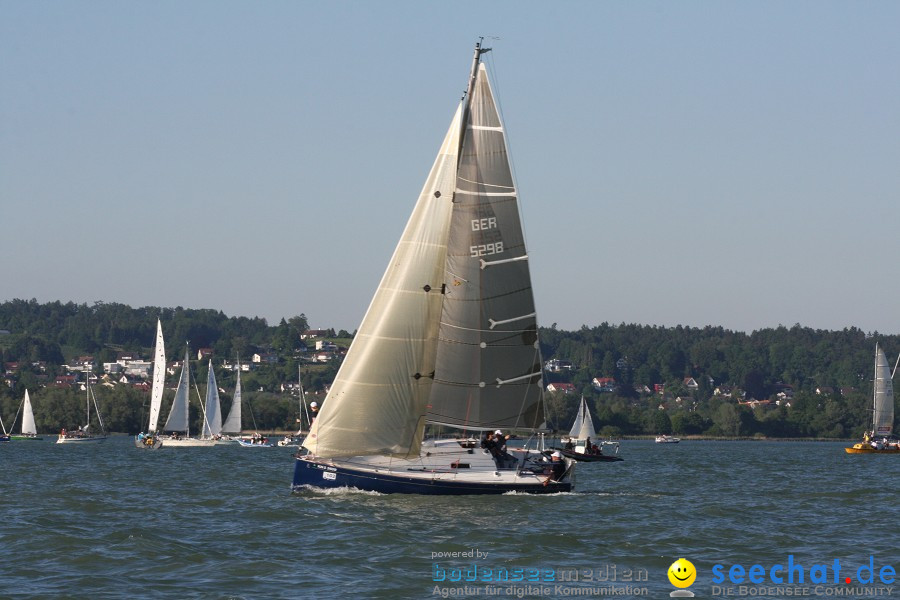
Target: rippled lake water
[[111, 521]]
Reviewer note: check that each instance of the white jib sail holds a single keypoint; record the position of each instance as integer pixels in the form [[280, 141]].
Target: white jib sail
[[378, 401]]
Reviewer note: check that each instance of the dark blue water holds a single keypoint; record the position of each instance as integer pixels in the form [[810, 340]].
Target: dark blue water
[[111, 521]]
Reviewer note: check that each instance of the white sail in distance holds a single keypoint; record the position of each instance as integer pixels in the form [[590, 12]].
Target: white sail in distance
[[883, 417], [232, 422], [159, 378], [212, 424], [178, 415], [583, 428], [28, 426]]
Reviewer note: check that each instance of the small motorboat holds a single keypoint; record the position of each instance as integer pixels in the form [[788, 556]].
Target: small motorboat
[[667, 439], [257, 441]]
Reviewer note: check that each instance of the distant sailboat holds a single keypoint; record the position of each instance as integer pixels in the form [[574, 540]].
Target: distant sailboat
[[4, 437], [178, 422], [583, 427], [28, 430], [232, 424], [212, 420], [150, 440], [880, 439], [84, 434], [583, 437], [291, 441], [450, 338]]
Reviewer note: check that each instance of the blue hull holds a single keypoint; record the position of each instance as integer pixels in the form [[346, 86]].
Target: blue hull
[[309, 473]]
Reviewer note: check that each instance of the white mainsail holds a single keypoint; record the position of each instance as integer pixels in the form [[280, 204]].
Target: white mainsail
[[212, 424], [883, 417], [28, 426], [178, 415], [232, 422], [583, 428], [159, 378], [451, 334]]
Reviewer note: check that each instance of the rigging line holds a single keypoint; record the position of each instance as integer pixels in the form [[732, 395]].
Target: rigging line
[[15, 418], [250, 407], [202, 408], [96, 408]]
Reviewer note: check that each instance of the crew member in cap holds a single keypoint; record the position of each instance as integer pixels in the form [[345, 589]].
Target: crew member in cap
[[557, 467]]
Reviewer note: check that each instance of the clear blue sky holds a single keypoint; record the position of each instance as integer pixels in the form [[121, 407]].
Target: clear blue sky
[[694, 163]]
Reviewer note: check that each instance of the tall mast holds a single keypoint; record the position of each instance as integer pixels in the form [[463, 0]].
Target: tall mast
[[469, 89]]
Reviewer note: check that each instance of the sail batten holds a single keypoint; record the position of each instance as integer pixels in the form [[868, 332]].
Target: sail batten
[[511, 195]]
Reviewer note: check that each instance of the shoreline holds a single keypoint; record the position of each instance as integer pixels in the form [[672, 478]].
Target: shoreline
[[691, 438]]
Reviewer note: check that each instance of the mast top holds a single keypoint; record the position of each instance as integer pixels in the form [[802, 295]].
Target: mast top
[[475, 60]]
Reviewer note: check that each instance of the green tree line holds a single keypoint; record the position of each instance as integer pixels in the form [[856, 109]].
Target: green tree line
[[829, 372], [757, 363]]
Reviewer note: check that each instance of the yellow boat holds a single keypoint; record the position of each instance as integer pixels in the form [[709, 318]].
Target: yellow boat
[[862, 448], [880, 440]]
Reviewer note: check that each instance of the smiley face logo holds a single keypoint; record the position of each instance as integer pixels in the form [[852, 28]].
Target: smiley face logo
[[682, 573]]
